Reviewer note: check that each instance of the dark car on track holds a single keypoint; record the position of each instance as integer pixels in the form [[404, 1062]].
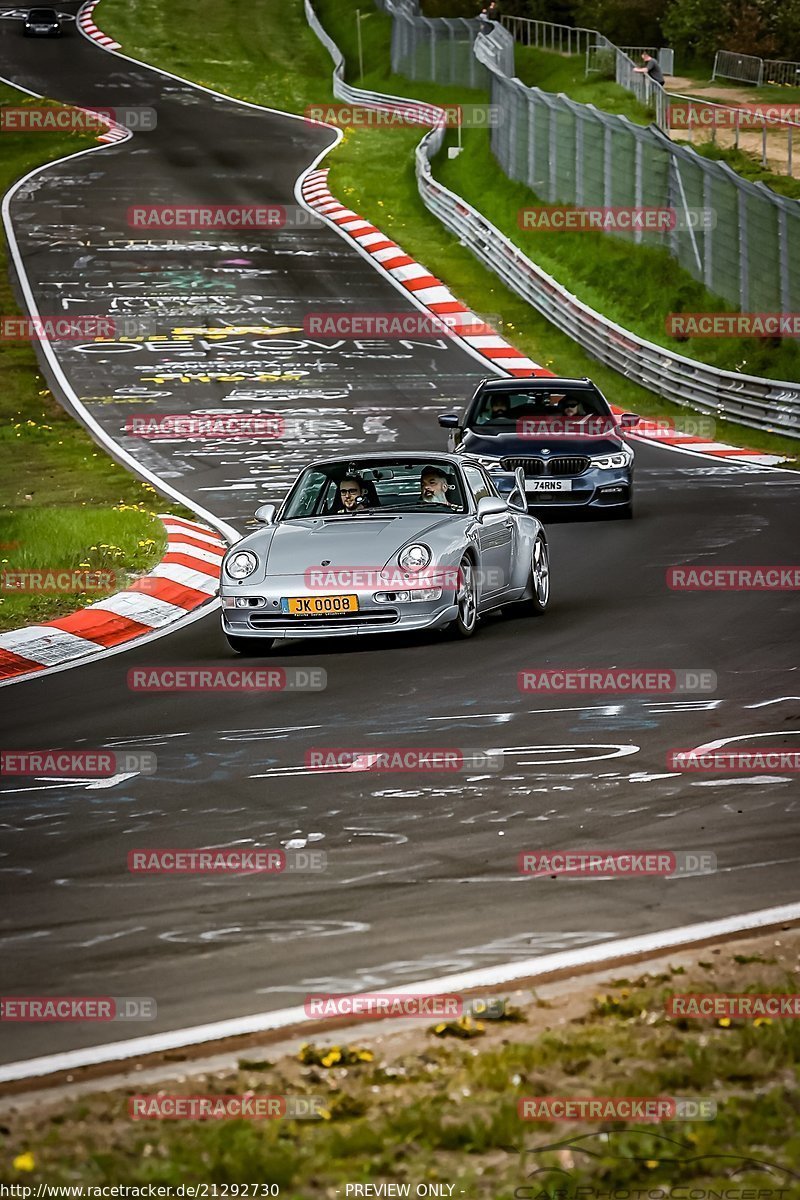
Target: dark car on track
[[42, 22], [561, 432]]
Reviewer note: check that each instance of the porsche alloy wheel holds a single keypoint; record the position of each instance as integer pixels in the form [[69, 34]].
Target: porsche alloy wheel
[[540, 577], [467, 600]]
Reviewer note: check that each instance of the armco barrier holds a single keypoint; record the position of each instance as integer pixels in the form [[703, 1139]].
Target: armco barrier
[[765, 404]]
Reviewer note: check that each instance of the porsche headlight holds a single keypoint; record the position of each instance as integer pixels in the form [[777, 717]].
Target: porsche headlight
[[414, 557], [241, 564], [622, 458]]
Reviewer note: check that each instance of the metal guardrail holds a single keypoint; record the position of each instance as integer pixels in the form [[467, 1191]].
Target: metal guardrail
[[771, 405]]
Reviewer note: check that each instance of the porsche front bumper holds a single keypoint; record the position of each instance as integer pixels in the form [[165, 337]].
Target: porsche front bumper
[[253, 610]]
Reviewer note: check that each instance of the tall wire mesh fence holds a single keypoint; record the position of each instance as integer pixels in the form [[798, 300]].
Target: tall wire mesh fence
[[740, 239]]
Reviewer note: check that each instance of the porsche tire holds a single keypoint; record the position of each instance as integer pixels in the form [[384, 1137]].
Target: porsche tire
[[466, 621]]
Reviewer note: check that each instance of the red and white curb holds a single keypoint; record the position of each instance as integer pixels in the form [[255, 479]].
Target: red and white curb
[[416, 279], [88, 27], [186, 577], [116, 133], [435, 296]]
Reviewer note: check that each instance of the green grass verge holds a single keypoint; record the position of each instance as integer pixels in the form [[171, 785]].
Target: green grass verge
[[635, 286], [424, 1107], [565, 73], [374, 171], [61, 497]]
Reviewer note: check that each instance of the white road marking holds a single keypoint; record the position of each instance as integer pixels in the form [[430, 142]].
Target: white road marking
[[489, 977], [110, 937], [112, 781]]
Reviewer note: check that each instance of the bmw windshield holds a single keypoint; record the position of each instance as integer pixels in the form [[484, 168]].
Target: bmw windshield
[[532, 411]]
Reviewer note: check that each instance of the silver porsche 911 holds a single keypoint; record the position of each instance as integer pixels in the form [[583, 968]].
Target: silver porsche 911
[[383, 542]]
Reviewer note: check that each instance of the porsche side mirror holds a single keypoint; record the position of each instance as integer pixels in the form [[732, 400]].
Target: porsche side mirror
[[489, 505], [519, 498], [628, 420], [448, 420], [266, 514]]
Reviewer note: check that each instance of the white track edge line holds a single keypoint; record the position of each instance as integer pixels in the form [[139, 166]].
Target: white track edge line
[[116, 451], [90, 422], [503, 973]]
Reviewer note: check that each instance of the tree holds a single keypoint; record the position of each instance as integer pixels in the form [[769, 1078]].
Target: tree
[[785, 23], [624, 22], [697, 29]]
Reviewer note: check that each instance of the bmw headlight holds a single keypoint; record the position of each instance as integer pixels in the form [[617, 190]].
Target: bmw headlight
[[241, 564], [414, 557], [622, 458]]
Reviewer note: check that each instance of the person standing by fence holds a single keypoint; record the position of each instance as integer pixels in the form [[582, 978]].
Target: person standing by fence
[[650, 68]]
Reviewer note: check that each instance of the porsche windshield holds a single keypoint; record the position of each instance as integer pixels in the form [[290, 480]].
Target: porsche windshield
[[364, 488]]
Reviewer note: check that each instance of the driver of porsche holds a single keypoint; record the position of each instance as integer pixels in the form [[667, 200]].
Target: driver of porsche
[[351, 493]]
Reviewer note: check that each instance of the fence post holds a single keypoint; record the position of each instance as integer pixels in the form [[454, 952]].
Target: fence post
[[607, 161], [783, 258], [578, 158], [708, 234], [637, 184], [744, 271]]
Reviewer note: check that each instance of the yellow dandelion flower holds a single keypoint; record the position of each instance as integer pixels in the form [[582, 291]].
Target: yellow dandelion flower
[[724, 1022], [651, 1164], [24, 1162]]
